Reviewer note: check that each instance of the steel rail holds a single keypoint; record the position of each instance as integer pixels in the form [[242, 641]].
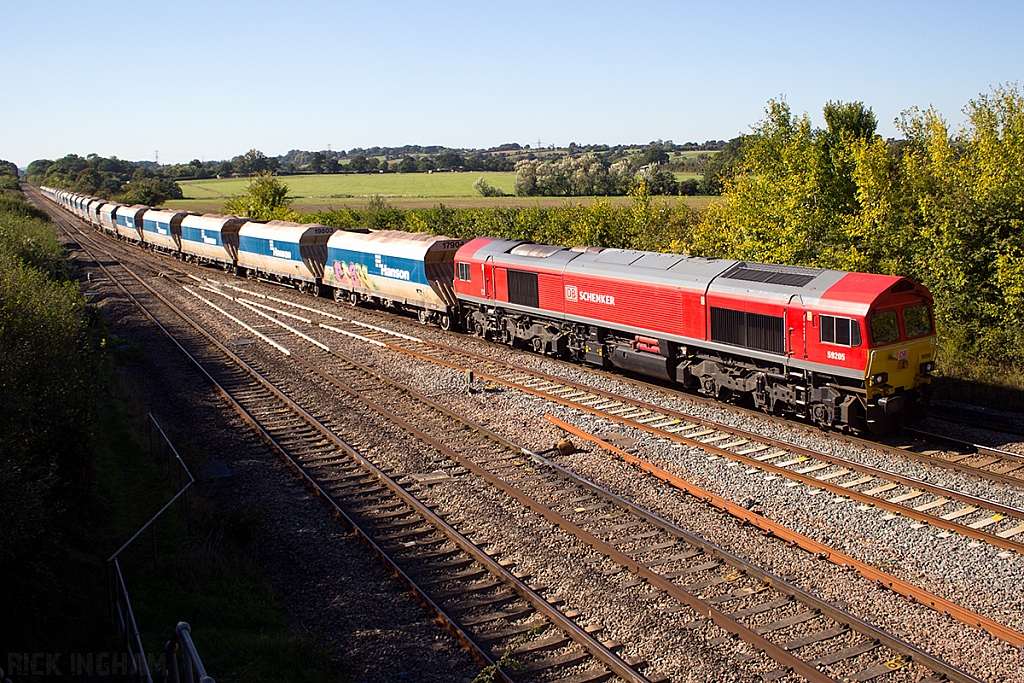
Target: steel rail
[[772, 528], [446, 622], [978, 448], [881, 503], [905, 589], [915, 653], [730, 625]]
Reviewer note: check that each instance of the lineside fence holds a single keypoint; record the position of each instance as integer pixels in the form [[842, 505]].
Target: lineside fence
[[122, 617]]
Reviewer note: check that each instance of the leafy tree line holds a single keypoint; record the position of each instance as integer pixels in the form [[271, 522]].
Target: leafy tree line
[[646, 223], [945, 207], [429, 158], [113, 178], [45, 375], [942, 206]]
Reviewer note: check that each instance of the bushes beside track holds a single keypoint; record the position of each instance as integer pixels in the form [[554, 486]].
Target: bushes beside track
[[77, 481], [45, 373]]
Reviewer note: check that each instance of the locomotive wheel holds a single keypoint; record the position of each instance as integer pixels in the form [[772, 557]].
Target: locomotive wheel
[[538, 345]]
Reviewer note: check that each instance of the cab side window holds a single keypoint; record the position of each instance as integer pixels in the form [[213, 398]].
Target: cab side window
[[839, 331], [464, 272]]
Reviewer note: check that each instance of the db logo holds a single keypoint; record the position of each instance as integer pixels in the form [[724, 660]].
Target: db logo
[[904, 353], [571, 293]]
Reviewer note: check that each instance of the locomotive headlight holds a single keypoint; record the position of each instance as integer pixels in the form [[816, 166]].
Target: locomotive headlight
[[927, 367], [879, 379]]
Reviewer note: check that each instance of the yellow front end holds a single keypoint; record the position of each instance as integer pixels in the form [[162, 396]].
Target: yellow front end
[[894, 378]]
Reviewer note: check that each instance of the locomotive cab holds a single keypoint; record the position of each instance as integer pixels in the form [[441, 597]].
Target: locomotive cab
[[901, 339]]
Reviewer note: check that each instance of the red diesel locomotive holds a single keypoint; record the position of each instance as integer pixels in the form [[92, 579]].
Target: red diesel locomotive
[[847, 350]]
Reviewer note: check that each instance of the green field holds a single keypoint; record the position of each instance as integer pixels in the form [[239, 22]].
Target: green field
[[346, 185], [402, 190]]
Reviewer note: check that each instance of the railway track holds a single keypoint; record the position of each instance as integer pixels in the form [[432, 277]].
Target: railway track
[[763, 610], [725, 581], [482, 603], [994, 464], [943, 508]]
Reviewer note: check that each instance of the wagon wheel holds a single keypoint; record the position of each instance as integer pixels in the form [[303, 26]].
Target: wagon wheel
[[316, 291], [446, 322], [422, 316], [353, 298]]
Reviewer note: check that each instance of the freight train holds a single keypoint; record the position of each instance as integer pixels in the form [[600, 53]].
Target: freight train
[[843, 350]]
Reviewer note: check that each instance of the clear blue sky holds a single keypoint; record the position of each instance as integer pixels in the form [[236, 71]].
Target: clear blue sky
[[213, 79]]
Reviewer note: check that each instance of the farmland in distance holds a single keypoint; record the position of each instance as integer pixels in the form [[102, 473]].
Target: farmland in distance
[[401, 190]]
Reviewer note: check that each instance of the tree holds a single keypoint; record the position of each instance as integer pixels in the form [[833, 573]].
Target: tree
[[526, 178], [654, 154], [486, 189], [316, 163], [964, 195], [254, 162], [722, 166], [149, 191], [406, 165], [359, 164], [266, 198], [449, 160], [660, 180]]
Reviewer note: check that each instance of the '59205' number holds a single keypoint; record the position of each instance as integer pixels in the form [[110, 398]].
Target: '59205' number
[[836, 355]]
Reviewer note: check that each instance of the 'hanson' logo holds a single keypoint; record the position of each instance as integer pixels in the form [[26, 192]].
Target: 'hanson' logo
[[572, 293], [388, 271]]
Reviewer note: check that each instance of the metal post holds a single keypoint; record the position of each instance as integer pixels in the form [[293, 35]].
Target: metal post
[[171, 648]]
